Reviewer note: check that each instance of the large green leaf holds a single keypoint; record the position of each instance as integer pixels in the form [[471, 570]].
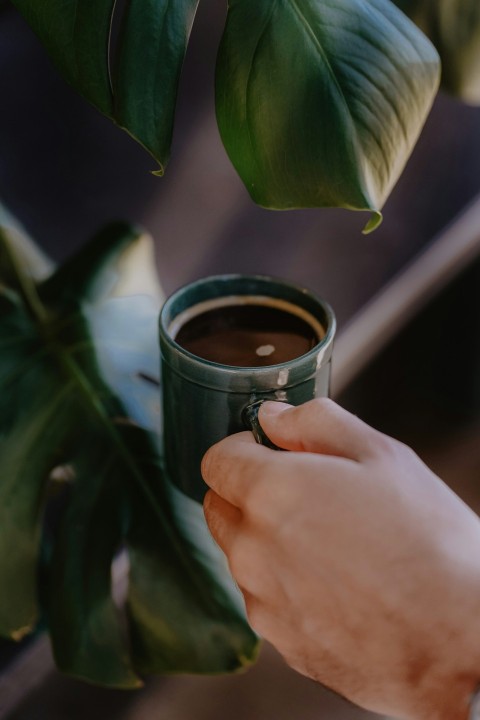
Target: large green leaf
[[320, 102], [76, 36], [151, 50], [79, 423], [454, 28], [135, 82]]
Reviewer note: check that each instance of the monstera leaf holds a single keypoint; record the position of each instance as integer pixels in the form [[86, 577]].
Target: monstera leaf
[[319, 103], [454, 28], [133, 81], [81, 477]]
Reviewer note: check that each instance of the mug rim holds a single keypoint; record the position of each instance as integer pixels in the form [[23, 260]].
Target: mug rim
[[236, 370]]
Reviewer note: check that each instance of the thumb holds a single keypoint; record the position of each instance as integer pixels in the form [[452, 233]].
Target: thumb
[[319, 426]]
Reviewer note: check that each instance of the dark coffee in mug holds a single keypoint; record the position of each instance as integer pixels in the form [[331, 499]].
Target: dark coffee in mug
[[247, 331]]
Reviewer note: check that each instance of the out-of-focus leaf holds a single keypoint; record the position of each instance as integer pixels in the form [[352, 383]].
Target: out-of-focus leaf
[[210, 633], [320, 103], [454, 28], [76, 36], [135, 82], [151, 50], [79, 415], [34, 262]]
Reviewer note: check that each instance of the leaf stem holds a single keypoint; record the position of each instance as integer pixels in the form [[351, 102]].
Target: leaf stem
[[72, 369], [24, 285]]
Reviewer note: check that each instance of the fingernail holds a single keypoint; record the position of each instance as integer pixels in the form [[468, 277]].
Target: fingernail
[[273, 407]]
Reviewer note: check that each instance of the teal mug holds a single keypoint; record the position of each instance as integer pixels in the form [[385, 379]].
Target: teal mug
[[208, 393]]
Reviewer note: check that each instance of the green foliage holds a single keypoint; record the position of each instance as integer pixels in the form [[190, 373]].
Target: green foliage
[[320, 103], [454, 28], [81, 475], [134, 84]]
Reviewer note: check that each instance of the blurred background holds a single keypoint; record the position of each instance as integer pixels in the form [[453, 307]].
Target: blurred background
[[65, 171]]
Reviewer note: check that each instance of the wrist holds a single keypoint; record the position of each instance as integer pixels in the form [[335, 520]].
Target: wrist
[[441, 661], [450, 688]]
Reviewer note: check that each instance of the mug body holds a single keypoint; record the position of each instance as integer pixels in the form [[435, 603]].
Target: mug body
[[204, 401]]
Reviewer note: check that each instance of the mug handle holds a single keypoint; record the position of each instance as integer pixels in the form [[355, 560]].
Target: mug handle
[[250, 419]]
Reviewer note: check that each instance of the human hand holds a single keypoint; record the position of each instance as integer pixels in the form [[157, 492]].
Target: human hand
[[356, 562]]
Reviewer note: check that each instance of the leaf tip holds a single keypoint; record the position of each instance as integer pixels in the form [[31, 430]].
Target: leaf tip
[[160, 172], [20, 633], [374, 222], [246, 661]]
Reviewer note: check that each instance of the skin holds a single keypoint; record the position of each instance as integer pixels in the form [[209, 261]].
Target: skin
[[355, 561]]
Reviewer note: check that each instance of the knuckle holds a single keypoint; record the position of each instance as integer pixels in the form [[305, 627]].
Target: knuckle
[[249, 567], [266, 503], [386, 446], [209, 504], [383, 445], [210, 463], [214, 525], [205, 464], [256, 616], [236, 562], [324, 404], [256, 499], [406, 451]]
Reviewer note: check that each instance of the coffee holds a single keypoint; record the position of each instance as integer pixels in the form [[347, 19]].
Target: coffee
[[247, 331]]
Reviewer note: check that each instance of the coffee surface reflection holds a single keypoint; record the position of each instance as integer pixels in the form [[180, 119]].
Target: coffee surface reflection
[[249, 335]]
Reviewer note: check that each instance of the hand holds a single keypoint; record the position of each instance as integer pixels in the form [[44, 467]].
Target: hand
[[356, 562]]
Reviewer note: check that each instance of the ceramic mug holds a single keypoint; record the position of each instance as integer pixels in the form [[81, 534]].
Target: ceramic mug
[[205, 401]]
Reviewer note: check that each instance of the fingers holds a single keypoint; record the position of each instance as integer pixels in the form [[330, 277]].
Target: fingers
[[240, 546], [223, 520], [319, 426], [234, 466]]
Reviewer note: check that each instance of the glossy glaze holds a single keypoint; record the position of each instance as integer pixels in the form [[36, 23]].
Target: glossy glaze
[[204, 401]]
